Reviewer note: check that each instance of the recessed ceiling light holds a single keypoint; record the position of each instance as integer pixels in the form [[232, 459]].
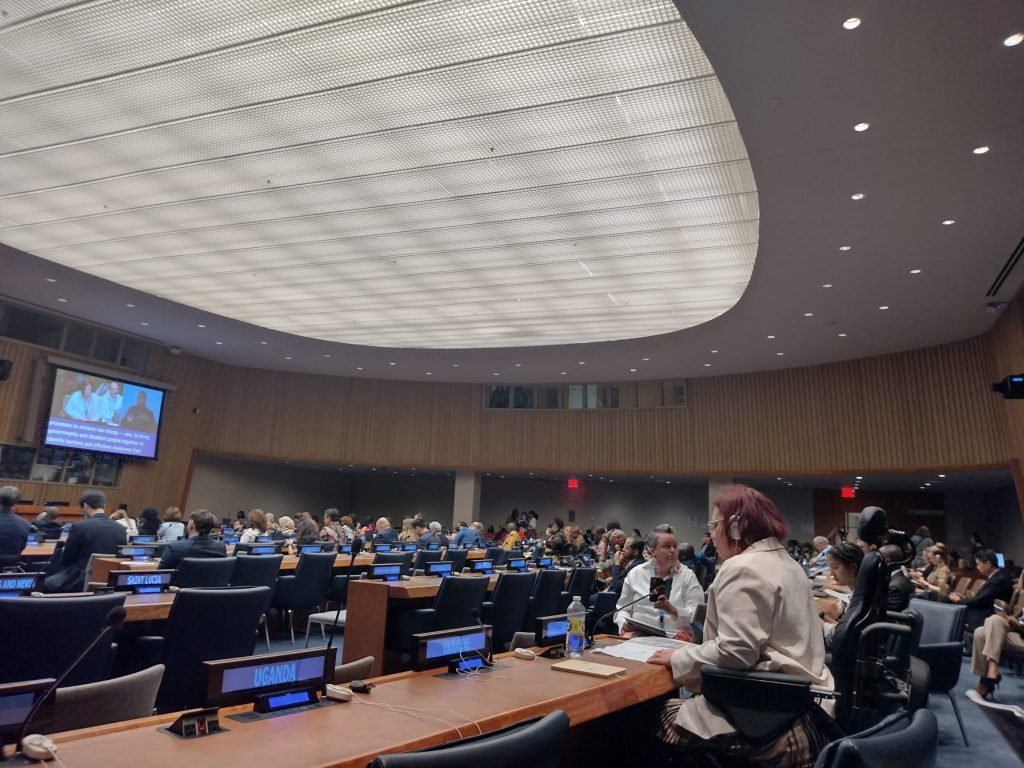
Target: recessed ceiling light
[[495, 374], [842, 335], [564, 373], [857, 196], [326, 355], [980, 150], [392, 363], [826, 285], [779, 479], [771, 337], [51, 280], [883, 307], [808, 314], [915, 271], [200, 325], [927, 483], [519, 365], [287, 358], [948, 222], [714, 351], [63, 301], [218, 342], [861, 127], [860, 477], [844, 247], [143, 323], [263, 343], [780, 354], [645, 359], [455, 365], [632, 370], [130, 306], [358, 369], [1014, 39], [429, 373], [922, 487], [851, 23], [581, 362], [941, 475], [707, 365]]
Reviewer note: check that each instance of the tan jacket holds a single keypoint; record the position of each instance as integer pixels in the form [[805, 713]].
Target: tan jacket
[[761, 616]]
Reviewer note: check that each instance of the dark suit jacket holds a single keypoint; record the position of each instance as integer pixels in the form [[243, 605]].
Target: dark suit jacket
[[996, 587], [172, 554], [389, 536], [13, 533], [49, 528], [94, 535]]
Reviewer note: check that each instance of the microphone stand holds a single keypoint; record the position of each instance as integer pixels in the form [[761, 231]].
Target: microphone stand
[[342, 599], [114, 620], [593, 627]]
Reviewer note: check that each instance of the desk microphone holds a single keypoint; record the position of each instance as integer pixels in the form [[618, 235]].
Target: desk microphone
[[357, 545], [476, 615], [660, 590], [113, 621]]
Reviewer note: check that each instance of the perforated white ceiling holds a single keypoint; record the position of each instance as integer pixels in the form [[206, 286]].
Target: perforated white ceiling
[[441, 174]]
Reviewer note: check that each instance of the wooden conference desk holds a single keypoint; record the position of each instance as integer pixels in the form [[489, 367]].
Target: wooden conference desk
[[350, 735]]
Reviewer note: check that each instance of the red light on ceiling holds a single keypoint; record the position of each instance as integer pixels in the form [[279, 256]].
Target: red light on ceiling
[[849, 492], [572, 483]]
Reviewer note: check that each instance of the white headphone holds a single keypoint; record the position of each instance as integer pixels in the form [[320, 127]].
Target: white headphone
[[734, 529]]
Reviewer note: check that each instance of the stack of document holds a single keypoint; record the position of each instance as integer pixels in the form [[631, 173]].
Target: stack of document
[[641, 648]]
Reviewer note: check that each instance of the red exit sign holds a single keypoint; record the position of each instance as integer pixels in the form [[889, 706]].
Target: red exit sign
[[849, 492], [572, 483]]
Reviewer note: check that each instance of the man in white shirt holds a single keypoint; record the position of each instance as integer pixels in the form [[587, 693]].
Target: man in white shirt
[[672, 611]]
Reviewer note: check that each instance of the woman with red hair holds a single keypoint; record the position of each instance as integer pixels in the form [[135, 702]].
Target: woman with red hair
[[760, 616]]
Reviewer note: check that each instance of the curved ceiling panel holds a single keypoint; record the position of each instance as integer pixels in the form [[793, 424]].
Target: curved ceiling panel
[[430, 174]]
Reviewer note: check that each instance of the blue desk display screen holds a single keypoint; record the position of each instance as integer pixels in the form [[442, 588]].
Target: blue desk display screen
[[257, 676], [447, 647]]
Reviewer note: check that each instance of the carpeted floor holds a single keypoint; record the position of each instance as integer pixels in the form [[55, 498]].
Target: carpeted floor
[[987, 747]]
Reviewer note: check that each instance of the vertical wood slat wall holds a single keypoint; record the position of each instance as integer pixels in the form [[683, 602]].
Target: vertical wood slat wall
[[927, 408]]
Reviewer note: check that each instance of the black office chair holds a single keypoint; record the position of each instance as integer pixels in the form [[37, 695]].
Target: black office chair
[[546, 597], [261, 571], [453, 607], [425, 556], [602, 604], [506, 609], [581, 583], [457, 557], [307, 588], [941, 648], [391, 558], [203, 625], [537, 743], [41, 636], [204, 572], [910, 741]]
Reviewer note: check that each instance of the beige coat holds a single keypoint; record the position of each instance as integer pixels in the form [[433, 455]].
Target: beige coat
[[761, 616]]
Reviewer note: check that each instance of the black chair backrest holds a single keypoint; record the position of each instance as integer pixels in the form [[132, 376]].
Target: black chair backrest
[[312, 579], [403, 558], [425, 556], [511, 598], [867, 606], [205, 572], [41, 636], [457, 557], [258, 572], [203, 625], [581, 582], [537, 743], [940, 622], [455, 601], [546, 598], [912, 741]]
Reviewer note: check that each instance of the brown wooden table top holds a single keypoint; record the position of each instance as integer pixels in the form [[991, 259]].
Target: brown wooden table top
[[349, 735], [39, 551]]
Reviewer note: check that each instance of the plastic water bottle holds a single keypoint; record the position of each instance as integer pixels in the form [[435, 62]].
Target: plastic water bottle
[[575, 637]]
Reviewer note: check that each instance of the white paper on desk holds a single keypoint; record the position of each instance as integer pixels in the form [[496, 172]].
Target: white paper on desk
[[844, 596], [641, 648]]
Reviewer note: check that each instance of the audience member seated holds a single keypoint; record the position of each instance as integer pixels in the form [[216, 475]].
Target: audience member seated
[[900, 587], [257, 519], [844, 560], [819, 560], [95, 534], [760, 615], [172, 528], [121, 517], [513, 538], [408, 534], [999, 631], [14, 531], [306, 529], [672, 611], [555, 542], [922, 540], [199, 544], [333, 530], [149, 521], [997, 587], [469, 536], [385, 533], [577, 544], [47, 524], [434, 535], [625, 560], [938, 581]]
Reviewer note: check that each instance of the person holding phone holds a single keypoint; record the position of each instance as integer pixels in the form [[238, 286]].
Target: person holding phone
[[1000, 630], [674, 594]]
